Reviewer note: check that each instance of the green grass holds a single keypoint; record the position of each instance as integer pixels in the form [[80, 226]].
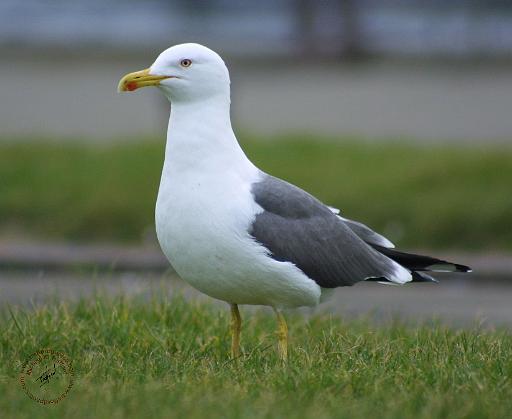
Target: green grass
[[169, 359], [420, 197]]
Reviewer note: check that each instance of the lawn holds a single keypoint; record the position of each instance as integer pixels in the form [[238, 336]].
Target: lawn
[[168, 358], [421, 197]]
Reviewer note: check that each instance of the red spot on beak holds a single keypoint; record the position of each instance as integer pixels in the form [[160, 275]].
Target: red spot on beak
[[131, 86]]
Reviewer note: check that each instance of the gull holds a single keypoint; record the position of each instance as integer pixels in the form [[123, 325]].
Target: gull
[[243, 236]]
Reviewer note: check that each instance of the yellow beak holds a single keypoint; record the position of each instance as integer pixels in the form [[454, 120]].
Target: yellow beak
[[133, 81]]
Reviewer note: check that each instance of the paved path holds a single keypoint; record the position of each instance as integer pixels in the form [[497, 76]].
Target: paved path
[[68, 256], [36, 273], [455, 302], [76, 96]]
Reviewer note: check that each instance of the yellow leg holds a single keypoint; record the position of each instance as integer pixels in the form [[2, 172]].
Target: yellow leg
[[236, 326], [282, 336]]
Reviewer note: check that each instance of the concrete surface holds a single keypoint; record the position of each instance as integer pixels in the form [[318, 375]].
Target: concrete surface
[[32, 273], [50, 256], [456, 303], [76, 96]]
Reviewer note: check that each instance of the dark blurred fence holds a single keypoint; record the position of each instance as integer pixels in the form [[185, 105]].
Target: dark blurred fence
[[330, 28]]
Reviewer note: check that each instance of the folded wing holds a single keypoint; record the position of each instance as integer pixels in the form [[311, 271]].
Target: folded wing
[[296, 227]]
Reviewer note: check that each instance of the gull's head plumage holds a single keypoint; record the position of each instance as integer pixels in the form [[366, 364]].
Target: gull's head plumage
[[185, 72]]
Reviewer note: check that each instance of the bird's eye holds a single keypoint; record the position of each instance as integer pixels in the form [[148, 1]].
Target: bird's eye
[[186, 62]]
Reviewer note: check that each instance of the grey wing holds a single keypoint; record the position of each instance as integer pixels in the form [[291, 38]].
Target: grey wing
[[296, 227], [364, 232]]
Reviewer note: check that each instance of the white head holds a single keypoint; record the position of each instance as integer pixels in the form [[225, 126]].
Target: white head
[[185, 73]]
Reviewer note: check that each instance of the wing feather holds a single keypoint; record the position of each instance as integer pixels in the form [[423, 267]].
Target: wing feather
[[365, 232], [296, 227]]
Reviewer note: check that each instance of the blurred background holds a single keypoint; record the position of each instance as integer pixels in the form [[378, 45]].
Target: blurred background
[[396, 112]]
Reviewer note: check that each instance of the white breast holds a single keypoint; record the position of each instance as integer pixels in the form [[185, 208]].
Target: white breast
[[202, 222]]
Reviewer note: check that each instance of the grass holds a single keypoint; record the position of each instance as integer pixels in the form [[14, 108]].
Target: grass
[[439, 196], [169, 358]]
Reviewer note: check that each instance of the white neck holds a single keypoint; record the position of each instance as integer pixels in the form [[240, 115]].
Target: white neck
[[200, 136]]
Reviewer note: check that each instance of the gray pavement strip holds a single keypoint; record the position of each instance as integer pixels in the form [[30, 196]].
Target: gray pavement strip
[[455, 303], [39, 273], [65, 256], [461, 104]]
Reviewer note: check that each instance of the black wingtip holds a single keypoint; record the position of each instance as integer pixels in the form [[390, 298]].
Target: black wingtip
[[422, 277], [462, 268], [415, 262]]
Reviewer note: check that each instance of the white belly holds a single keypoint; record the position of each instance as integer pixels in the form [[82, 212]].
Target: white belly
[[202, 225]]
